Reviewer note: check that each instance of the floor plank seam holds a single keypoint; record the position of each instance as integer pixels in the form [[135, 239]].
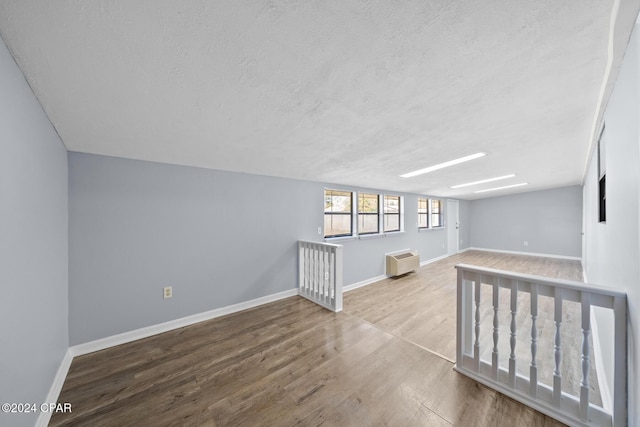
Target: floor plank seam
[[453, 362]]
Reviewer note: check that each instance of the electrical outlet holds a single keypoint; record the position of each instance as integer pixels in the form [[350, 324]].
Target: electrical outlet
[[526, 243], [326, 275], [168, 292], [319, 231]]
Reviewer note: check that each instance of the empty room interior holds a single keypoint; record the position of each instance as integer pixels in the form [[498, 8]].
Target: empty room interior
[[303, 213]]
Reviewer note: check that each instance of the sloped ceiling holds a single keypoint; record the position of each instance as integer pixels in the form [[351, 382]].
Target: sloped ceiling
[[347, 92]]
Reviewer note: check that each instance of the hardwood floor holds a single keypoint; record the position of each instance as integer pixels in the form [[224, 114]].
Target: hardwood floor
[[294, 363]]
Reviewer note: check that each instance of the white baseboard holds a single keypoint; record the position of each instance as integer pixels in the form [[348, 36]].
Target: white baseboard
[[574, 258], [429, 261], [362, 283], [371, 280], [103, 343], [56, 387]]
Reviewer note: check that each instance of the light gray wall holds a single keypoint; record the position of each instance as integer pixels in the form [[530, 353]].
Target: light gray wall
[[33, 246], [549, 220], [612, 250], [218, 238]]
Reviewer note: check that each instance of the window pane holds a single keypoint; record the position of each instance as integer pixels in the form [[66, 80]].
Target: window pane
[[422, 221], [367, 203], [337, 225], [337, 201], [436, 213], [367, 224], [392, 222], [391, 204], [422, 206]]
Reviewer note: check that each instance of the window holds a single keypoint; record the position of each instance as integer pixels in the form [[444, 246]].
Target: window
[[337, 213], [391, 213], [368, 219], [602, 178], [353, 214], [423, 213], [436, 213]]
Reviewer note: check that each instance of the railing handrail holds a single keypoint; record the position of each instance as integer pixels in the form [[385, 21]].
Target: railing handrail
[[560, 283], [332, 245]]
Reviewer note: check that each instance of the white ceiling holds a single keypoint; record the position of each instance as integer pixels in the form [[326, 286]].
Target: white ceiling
[[348, 92]]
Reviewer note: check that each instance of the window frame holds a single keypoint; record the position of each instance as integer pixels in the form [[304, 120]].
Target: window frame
[[425, 213], [439, 213], [349, 214], [364, 214], [389, 214], [602, 177], [355, 215]]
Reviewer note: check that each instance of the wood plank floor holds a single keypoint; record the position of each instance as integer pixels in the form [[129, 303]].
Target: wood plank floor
[[294, 363]]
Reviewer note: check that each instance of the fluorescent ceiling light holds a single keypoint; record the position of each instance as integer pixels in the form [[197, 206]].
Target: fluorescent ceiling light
[[498, 178], [443, 165], [502, 188]]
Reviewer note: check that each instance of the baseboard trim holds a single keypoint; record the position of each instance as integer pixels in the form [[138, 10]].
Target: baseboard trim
[[573, 258], [125, 337], [363, 283], [371, 280], [56, 388], [438, 258]]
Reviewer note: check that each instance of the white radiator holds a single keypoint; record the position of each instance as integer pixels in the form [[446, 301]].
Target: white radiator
[[402, 263]]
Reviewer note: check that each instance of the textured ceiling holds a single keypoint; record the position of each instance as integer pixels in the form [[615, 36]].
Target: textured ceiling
[[348, 92]]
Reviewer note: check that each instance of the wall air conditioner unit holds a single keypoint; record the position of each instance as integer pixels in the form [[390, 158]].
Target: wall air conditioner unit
[[402, 263]]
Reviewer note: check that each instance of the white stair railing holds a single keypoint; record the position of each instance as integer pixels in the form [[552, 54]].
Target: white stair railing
[[551, 400], [320, 273]]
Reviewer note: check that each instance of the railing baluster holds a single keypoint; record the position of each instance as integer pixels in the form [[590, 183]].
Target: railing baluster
[[337, 306], [325, 274], [583, 411], [305, 284], [557, 348], [533, 369], [494, 354], [314, 269], [476, 345], [512, 336], [332, 276]]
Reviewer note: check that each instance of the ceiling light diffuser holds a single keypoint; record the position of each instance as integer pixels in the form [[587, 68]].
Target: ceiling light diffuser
[[443, 165], [498, 178], [502, 188]]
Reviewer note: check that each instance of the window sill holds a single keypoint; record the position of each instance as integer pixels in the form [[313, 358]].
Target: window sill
[[422, 230], [370, 236], [363, 237], [339, 239]]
